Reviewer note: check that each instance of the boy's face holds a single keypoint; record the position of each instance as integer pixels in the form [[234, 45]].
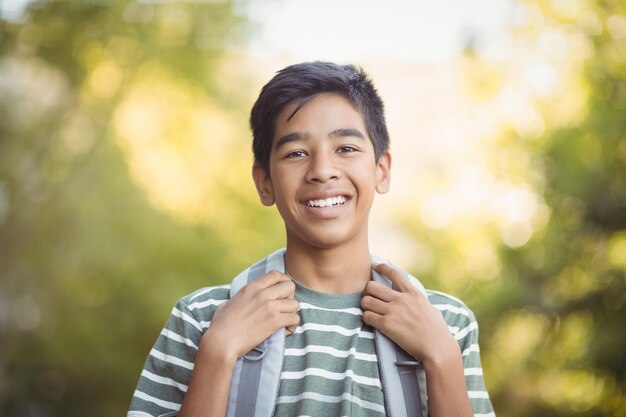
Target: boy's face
[[323, 174]]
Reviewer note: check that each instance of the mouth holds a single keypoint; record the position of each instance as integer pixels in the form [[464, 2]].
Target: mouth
[[327, 202]]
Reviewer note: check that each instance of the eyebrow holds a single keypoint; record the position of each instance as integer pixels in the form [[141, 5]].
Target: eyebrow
[[342, 133], [298, 136], [290, 137]]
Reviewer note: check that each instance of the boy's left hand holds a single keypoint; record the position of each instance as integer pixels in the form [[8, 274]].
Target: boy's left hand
[[405, 315]]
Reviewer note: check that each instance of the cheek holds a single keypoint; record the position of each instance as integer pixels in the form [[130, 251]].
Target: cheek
[[369, 177], [285, 197]]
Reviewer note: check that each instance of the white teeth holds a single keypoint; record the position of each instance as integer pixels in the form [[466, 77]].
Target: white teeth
[[332, 201]]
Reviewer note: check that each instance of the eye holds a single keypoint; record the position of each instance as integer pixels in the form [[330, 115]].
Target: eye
[[295, 154], [347, 149]]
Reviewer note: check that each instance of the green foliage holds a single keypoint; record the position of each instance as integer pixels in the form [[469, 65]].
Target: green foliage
[[555, 313], [88, 268]]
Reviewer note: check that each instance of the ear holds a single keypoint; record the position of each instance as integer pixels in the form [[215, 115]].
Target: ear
[[383, 173], [263, 185]]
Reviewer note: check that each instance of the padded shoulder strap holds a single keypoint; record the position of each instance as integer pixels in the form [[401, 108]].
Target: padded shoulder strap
[[402, 377], [254, 387]]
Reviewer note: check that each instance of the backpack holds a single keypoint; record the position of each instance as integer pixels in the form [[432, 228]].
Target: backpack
[[254, 386]]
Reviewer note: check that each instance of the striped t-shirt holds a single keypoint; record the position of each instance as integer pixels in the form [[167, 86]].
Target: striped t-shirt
[[330, 365]]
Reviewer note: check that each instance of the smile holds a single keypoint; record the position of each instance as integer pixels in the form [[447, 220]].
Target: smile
[[327, 202]]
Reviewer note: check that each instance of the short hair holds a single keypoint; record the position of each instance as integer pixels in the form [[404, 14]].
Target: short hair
[[300, 83]]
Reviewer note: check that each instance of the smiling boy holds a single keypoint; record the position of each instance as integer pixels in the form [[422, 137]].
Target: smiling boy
[[321, 154]]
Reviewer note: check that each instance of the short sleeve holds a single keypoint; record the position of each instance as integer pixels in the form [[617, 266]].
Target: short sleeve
[[464, 327], [167, 370]]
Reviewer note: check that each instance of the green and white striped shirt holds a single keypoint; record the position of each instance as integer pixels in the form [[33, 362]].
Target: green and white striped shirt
[[330, 365]]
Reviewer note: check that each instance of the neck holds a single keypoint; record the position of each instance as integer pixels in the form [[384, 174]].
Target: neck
[[340, 270]]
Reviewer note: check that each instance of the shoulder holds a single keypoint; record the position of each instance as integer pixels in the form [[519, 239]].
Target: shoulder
[[446, 302], [201, 304], [216, 292], [457, 314]]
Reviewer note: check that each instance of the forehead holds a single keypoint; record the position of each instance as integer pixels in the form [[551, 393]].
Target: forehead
[[321, 111]]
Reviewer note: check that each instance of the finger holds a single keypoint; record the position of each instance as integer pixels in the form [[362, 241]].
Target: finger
[[379, 291], [287, 305], [375, 305], [373, 319], [273, 277], [291, 328], [290, 322], [396, 277], [282, 289]]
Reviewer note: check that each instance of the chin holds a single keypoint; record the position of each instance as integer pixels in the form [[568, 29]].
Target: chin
[[326, 240]]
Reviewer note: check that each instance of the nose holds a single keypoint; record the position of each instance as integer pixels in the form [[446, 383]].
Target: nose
[[322, 168]]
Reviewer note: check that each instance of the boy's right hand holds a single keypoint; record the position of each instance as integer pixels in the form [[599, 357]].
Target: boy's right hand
[[256, 312]]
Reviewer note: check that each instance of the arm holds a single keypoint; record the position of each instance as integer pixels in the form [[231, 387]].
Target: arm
[[209, 386], [402, 313], [192, 367], [255, 313]]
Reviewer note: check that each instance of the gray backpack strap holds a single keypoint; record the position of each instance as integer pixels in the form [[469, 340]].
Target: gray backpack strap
[[252, 363], [407, 367], [256, 376], [402, 377]]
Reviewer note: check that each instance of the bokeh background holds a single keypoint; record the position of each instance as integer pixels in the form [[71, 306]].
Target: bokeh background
[[125, 180]]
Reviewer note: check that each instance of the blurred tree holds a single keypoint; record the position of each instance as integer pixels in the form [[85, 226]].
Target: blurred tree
[[88, 268], [572, 275], [579, 284], [552, 302]]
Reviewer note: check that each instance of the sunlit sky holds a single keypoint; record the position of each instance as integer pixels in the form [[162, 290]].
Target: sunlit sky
[[414, 31]]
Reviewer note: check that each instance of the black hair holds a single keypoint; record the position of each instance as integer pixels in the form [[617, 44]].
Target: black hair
[[299, 83]]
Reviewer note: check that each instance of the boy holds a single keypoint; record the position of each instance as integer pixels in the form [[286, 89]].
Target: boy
[[321, 153]]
